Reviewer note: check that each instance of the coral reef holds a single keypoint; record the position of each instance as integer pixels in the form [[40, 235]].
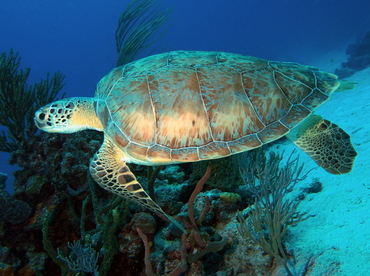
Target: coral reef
[[358, 57], [12, 210], [67, 206]]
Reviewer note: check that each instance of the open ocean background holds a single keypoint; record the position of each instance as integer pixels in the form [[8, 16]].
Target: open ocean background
[[78, 37]]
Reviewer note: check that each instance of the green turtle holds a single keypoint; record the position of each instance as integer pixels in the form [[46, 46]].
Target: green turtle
[[188, 106]]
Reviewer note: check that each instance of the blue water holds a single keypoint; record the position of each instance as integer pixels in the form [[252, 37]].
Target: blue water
[[77, 37]]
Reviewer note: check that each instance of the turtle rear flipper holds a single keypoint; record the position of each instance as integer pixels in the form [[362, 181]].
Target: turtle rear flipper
[[112, 174], [346, 85], [326, 143]]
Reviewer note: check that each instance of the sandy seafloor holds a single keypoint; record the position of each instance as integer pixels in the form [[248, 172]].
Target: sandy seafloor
[[336, 240]]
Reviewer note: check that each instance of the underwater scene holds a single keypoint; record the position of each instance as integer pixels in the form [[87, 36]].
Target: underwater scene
[[148, 137]]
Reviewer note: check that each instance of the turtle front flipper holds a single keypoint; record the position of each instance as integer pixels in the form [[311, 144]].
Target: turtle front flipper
[[326, 143], [111, 173]]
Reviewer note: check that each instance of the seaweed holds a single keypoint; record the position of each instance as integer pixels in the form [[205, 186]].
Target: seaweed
[[19, 101], [139, 27]]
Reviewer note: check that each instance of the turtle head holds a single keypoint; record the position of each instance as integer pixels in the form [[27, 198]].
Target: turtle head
[[68, 115]]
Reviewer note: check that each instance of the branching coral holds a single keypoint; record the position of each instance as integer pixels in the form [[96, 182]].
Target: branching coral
[[272, 213], [81, 258], [19, 101]]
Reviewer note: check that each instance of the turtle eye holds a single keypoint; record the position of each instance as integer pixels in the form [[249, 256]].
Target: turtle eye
[[70, 106], [323, 126], [41, 116]]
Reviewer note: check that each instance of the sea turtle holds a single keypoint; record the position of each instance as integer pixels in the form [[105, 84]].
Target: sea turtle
[[187, 106]]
